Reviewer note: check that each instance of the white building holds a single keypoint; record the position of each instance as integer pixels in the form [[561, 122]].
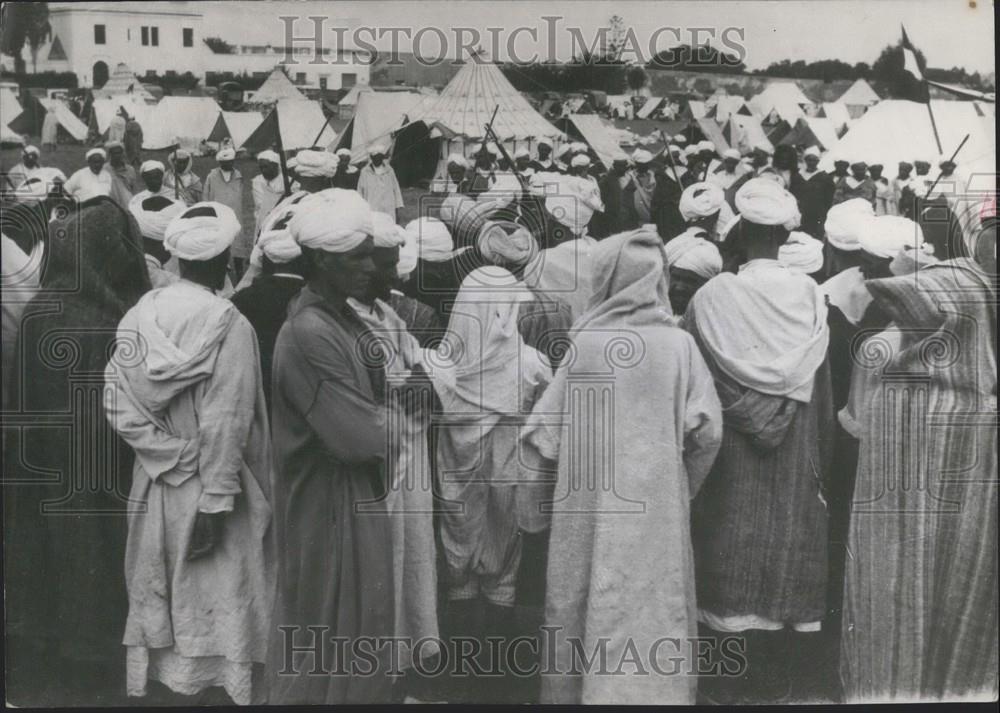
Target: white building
[[162, 38]]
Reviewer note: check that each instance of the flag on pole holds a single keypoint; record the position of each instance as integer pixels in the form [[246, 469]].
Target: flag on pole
[[916, 89]]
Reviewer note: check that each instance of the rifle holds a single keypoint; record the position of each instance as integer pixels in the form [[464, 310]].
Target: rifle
[[670, 159], [952, 159], [283, 162], [489, 133]]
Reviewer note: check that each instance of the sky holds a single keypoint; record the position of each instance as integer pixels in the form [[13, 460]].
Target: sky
[[949, 32]]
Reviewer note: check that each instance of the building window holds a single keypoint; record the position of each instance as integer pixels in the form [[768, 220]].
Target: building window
[[188, 37], [300, 77], [99, 36], [171, 72], [151, 73], [144, 32], [154, 36], [323, 78], [348, 80]]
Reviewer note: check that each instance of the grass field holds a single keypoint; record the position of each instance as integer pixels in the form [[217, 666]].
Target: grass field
[[70, 157]]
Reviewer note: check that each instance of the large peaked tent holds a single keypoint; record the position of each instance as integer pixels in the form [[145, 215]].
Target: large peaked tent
[[376, 117], [123, 81], [186, 121], [276, 87], [811, 131], [838, 114], [303, 125], [68, 121], [859, 94], [237, 126]]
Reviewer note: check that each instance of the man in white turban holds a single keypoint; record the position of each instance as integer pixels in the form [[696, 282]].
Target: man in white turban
[[378, 185], [91, 181], [704, 209], [802, 253], [181, 178], [692, 260], [816, 194], [267, 187], [563, 156], [345, 174], [188, 400], [544, 162], [333, 406], [313, 170], [224, 184], [758, 523], [573, 205], [26, 169], [153, 213], [506, 244], [640, 189], [728, 172], [456, 180]]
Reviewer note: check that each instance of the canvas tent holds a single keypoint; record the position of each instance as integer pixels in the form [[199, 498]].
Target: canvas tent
[[10, 109], [622, 104], [276, 87], [186, 121], [895, 130], [103, 110], [68, 121], [745, 132], [713, 132], [783, 96], [303, 125], [123, 82], [377, 116], [722, 106], [237, 126], [695, 110], [838, 115], [597, 133], [859, 94], [647, 109], [811, 131]]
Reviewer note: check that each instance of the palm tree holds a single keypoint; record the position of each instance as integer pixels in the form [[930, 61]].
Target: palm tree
[[636, 78], [24, 22]]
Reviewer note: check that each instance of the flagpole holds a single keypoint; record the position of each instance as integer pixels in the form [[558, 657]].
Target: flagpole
[[930, 111], [281, 154]]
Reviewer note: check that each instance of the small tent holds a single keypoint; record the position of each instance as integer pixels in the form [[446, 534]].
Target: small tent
[[838, 115], [811, 131], [277, 87], [10, 107], [859, 94], [596, 133], [103, 110], [237, 126], [647, 109], [694, 110], [745, 132], [68, 121], [713, 132], [123, 82], [783, 95], [722, 106], [187, 121], [376, 117], [303, 125]]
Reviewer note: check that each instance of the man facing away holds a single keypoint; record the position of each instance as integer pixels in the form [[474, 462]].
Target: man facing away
[[187, 398]]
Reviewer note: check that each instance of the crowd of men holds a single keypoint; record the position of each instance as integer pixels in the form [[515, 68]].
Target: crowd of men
[[626, 436]]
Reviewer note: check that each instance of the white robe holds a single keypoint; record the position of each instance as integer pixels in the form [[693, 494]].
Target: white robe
[[85, 184]]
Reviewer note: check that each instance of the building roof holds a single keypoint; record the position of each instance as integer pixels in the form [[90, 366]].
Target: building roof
[[465, 106]]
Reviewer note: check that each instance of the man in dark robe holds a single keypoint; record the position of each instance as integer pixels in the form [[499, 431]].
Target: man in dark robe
[[133, 141], [346, 175], [544, 162], [615, 217], [66, 506], [331, 462], [816, 194], [857, 185]]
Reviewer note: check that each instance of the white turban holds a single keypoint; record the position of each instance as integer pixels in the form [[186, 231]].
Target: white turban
[[343, 152], [432, 238], [30, 149], [149, 166], [522, 153], [885, 235], [379, 147], [408, 255], [309, 163], [504, 191], [764, 202], [108, 145], [563, 150], [458, 159], [226, 154], [801, 253], [574, 202], [673, 148], [96, 152], [153, 223], [387, 233], [700, 200], [201, 237], [763, 147], [578, 146], [544, 142], [731, 153], [691, 150], [334, 221], [269, 155], [695, 254], [845, 221], [493, 148], [642, 156], [811, 151], [580, 160], [680, 139], [507, 249], [278, 246], [706, 146]]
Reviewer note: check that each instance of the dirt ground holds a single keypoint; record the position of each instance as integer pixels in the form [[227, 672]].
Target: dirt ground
[[70, 157]]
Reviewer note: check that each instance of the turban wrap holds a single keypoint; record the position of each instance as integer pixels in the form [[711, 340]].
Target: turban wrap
[[642, 156], [309, 163], [201, 237], [387, 233], [695, 254], [574, 202], [580, 160], [885, 235], [845, 221], [701, 200], [96, 152], [154, 213], [801, 253], [764, 202], [269, 155], [332, 221], [150, 166], [431, 236], [279, 246], [30, 149], [506, 244], [226, 154]]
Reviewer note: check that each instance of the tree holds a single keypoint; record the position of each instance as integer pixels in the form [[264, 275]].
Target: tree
[[635, 77], [24, 22], [616, 37], [219, 45], [697, 58], [888, 68]]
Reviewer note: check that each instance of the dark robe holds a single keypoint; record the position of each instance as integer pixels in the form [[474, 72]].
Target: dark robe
[[334, 546], [666, 199], [615, 217], [421, 321], [133, 143], [66, 505], [265, 305], [436, 284], [843, 191], [345, 179], [815, 199]]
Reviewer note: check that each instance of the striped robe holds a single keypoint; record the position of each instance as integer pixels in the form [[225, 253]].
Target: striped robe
[[920, 596]]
